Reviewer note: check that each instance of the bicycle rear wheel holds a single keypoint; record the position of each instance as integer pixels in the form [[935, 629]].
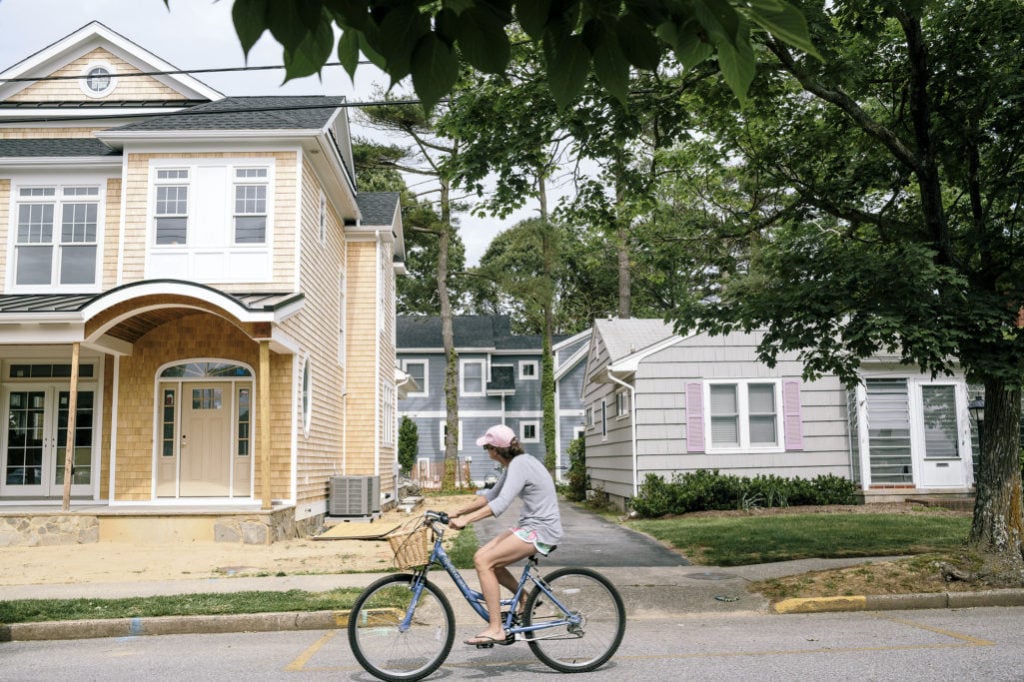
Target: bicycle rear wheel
[[583, 647], [382, 647]]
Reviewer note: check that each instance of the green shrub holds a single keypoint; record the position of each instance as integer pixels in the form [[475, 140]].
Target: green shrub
[[577, 480], [704, 490], [408, 444]]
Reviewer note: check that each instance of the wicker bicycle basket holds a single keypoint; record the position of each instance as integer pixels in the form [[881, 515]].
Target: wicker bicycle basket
[[412, 547]]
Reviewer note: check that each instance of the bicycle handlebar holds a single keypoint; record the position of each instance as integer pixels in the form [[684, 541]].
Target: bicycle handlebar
[[441, 517]]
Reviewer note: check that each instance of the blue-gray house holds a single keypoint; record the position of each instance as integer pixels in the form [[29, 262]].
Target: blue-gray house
[[499, 382]]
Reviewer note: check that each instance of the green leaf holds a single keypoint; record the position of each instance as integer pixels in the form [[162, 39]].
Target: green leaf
[[737, 64], [688, 42], [348, 51], [784, 21], [446, 25], [400, 32], [718, 18], [370, 52], [292, 22], [638, 42], [349, 13], [568, 66], [435, 69], [533, 16], [612, 69], [250, 19], [311, 54], [483, 41]]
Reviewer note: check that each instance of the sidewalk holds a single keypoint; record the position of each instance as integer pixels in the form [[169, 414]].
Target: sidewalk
[[648, 592]]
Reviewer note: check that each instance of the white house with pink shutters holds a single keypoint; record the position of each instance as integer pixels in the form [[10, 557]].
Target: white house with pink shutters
[[657, 402]]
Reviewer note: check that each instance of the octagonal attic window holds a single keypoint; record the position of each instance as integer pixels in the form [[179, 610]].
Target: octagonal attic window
[[98, 80]]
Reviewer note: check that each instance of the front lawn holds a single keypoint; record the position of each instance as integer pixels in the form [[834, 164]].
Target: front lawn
[[742, 540]]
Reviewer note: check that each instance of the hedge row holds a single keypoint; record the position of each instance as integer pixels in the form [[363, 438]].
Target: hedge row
[[704, 490]]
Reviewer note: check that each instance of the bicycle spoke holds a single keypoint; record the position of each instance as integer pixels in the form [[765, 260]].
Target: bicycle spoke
[[389, 649], [602, 620]]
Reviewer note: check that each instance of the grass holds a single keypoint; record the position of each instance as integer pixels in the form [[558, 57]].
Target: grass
[[461, 551], [40, 610], [742, 540]]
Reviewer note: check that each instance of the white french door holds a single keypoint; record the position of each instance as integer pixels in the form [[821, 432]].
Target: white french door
[[35, 442]]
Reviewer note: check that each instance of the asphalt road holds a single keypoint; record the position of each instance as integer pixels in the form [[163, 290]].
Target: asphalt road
[[933, 646], [591, 541]]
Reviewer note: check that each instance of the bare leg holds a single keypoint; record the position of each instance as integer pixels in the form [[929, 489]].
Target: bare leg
[[490, 561]]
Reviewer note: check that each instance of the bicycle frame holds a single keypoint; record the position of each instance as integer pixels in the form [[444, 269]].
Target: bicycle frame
[[475, 598]]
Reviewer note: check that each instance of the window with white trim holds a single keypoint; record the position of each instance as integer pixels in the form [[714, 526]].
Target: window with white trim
[[622, 404], [604, 419], [98, 79], [171, 211], [417, 369], [56, 237], [744, 415], [472, 375], [529, 432], [307, 396], [250, 205], [588, 419], [528, 370], [388, 413]]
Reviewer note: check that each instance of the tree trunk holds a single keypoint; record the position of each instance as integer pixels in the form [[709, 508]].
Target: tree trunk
[[622, 252], [451, 372], [998, 527], [547, 376]]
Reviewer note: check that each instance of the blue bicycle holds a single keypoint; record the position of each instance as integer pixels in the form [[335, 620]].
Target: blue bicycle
[[402, 626]]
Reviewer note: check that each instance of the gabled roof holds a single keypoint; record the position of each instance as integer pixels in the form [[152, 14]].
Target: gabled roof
[[96, 35], [626, 337], [285, 112]]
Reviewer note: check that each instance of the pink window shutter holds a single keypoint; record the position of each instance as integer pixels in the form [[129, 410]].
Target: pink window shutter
[[694, 417], [792, 422]]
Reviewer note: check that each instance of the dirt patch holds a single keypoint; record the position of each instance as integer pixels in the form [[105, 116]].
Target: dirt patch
[[102, 562]]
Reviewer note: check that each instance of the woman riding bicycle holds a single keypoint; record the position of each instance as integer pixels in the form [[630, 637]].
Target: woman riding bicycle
[[539, 528]]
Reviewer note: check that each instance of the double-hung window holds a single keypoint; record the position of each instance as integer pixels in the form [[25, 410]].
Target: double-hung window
[[250, 205], [472, 377], [744, 415], [171, 213], [57, 236]]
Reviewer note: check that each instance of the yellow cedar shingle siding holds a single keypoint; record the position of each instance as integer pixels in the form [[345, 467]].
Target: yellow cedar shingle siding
[[127, 87], [320, 454], [362, 361], [110, 229], [138, 192]]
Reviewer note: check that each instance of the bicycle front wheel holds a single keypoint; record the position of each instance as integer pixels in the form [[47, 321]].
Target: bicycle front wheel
[[387, 647], [588, 645]]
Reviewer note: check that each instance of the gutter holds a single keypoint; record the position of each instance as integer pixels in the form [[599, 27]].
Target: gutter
[[632, 420]]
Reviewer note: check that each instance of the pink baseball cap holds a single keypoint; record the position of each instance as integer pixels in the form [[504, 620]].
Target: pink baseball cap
[[498, 436]]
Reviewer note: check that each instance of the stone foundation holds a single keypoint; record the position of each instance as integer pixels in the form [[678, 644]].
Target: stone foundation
[[48, 529]]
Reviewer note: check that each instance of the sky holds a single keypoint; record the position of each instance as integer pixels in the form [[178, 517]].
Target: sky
[[198, 34]]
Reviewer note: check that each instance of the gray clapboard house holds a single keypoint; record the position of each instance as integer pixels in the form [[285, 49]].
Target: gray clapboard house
[[499, 382], [657, 402]]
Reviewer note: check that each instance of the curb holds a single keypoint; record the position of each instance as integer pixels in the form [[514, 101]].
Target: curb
[[174, 625], [897, 602]]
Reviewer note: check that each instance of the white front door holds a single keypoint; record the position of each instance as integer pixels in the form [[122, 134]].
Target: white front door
[[35, 442]]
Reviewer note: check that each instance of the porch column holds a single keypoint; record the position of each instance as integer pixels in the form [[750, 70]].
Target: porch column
[[69, 450], [264, 416]]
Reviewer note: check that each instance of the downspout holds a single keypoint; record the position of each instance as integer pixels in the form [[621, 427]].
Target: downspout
[[632, 419]]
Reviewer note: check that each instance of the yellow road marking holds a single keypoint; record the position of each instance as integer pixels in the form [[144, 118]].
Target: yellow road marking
[[975, 641], [299, 663]]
